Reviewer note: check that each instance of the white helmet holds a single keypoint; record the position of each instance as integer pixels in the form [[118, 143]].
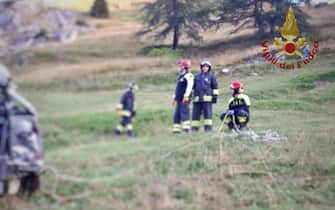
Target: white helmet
[[206, 63], [133, 86]]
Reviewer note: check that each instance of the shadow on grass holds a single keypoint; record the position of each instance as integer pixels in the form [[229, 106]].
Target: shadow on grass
[[237, 43]]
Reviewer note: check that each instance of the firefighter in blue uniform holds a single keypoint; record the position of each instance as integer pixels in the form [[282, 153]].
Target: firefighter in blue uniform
[[126, 110], [205, 94], [181, 98], [238, 106]]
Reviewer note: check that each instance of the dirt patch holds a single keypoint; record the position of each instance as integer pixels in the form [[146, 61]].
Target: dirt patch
[[45, 74]]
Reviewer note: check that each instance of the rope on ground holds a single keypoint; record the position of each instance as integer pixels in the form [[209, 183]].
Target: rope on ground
[[262, 136]]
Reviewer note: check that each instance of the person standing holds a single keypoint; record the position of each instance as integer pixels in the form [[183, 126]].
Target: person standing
[[182, 96], [126, 110], [205, 95]]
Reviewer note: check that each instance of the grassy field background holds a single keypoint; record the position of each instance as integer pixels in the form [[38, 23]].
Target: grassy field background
[[76, 86], [158, 170]]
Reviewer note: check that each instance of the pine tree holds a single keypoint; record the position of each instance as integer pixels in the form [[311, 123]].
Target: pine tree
[[176, 17], [242, 12]]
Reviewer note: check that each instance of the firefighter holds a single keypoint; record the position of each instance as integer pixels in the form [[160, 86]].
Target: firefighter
[[182, 96], [205, 95], [238, 108], [126, 110]]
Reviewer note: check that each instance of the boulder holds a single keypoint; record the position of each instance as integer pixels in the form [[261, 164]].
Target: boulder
[[24, 24]]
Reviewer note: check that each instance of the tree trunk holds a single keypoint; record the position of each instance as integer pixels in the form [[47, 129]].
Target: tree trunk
[[176, 32], [258, 7], [175, 43], [100, 9]]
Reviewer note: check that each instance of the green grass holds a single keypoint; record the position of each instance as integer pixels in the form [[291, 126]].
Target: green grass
[[305, 82], [158, 170], [162, 51], [103, 82]]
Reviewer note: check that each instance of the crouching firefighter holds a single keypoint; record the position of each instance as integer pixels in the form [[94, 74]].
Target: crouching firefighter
[[238, 113], [126, 110], [205, 95], [181, 98]]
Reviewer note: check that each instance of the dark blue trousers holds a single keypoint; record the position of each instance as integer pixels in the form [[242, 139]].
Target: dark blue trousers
[[181, 118], [205, 109], [241, 119], [125, 125]]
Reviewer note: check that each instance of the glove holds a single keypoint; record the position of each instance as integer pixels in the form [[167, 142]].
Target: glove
[[243, 113], [222, 116], [174, 102], [215, 99], [186, 100], [133, 113]]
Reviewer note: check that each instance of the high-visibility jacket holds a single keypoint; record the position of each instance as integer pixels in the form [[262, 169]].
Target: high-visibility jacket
[[126, 107], [239, 102], [184, 86], [205, 87]]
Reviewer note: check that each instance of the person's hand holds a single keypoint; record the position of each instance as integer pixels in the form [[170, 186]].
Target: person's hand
[[215, 99], [186, 100], [174, 102], [118, 112], [222, 116]]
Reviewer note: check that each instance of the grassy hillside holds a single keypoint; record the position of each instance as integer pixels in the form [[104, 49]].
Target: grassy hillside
[[76, 86], [158, 170]]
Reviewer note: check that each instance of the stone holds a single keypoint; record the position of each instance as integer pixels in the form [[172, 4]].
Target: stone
[[225, 71]]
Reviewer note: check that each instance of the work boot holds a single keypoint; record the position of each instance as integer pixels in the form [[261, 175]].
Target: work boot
[[208, 128], [117, 132], [243, 127], [231, 126], [195, 129], [130, 134]]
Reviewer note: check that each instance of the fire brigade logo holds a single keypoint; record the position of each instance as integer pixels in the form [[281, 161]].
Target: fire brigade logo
[[290, 44]]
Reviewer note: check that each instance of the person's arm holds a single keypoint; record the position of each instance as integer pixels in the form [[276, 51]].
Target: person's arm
[[125, 111], [215, 88], [128, 102], [229, 103], [246, 100], [190, 82], [133, 106]]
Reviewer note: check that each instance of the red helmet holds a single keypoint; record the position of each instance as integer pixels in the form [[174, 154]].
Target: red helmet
[[237, 87], [184, 64]]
